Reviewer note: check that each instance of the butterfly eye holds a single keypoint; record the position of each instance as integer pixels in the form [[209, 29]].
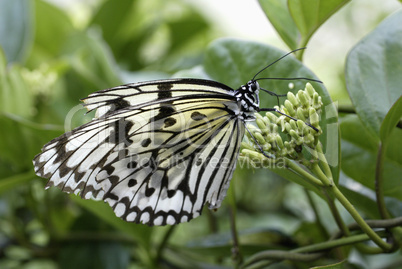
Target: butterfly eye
[[253, 85]]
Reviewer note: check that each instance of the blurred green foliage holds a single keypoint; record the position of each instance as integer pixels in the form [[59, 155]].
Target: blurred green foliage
[[48, 62]]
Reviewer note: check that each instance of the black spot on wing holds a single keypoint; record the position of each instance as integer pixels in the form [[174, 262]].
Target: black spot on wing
[[145, 143], [120, 132], [197, 116], [149, 192], [118, 104], [169, 122], [164, 90], [132, 164], [171, 193], [132, 182]]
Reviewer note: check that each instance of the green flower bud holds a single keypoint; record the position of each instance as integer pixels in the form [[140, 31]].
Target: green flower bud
[[303, 98], [260, 123], [253, 155], [309, 89], [309, 139], [293, 124], [317, 101], [278, 140], [289, 107], [292, 98], [294, 134], [260, 138], [272, 117], [314, 118], [258, 116], [244, 145], [300, 114], [285, 110], [300, 125], [267, 147], [288, 126]]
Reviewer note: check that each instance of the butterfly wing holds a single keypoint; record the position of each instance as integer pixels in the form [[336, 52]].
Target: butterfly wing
[[156, 154]]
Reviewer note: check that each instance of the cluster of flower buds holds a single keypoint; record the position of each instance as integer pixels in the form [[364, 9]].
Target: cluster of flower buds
[[284, 136]]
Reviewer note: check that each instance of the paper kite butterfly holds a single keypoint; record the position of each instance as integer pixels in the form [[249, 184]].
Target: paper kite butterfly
[[156, 151]]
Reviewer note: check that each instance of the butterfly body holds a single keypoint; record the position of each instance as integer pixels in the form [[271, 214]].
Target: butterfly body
[[156, 151]]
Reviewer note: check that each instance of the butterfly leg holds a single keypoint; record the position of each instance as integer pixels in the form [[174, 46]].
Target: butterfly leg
[[273, 94], [258, 144]]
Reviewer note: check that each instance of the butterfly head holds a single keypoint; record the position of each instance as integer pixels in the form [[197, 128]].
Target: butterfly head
[[253, 86], [247, 97]]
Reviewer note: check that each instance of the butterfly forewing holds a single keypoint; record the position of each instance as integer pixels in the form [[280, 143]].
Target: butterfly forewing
[[157, 152], [146, 93]]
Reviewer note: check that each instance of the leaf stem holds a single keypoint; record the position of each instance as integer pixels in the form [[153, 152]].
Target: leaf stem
[[379, 182]]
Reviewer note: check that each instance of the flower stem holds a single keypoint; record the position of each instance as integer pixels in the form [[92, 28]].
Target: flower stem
[[359, 220], [303, 172]]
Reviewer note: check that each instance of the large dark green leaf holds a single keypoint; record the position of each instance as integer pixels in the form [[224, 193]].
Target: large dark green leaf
[[359, 156], [235, 62], [373, 72]]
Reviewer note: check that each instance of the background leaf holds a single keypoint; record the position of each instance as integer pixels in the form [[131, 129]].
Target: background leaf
[[15, 18], [51, 32], [309, 15], [103, 255], [359, 155], [391, 119], [373, 69], [278, 14]]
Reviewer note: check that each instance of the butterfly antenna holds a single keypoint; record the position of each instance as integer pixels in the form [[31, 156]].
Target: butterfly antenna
[[303, 78], [293, 51]]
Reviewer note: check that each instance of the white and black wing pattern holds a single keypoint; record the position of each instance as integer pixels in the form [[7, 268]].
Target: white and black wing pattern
[[156, 152]]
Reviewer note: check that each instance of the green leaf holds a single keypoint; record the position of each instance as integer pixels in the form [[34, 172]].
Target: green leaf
[[15, 95], [309, 15], [52, 29], [234, 62], [145, 33], [359, 156], [278, 14], [391, 119], [9, 183], [113, 29], [103, 211], [21, 142], [15, 28], [93, 64], [94, 255], [373, 72]]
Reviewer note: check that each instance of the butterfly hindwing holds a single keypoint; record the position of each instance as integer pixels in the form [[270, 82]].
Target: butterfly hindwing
[[157, 161]]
